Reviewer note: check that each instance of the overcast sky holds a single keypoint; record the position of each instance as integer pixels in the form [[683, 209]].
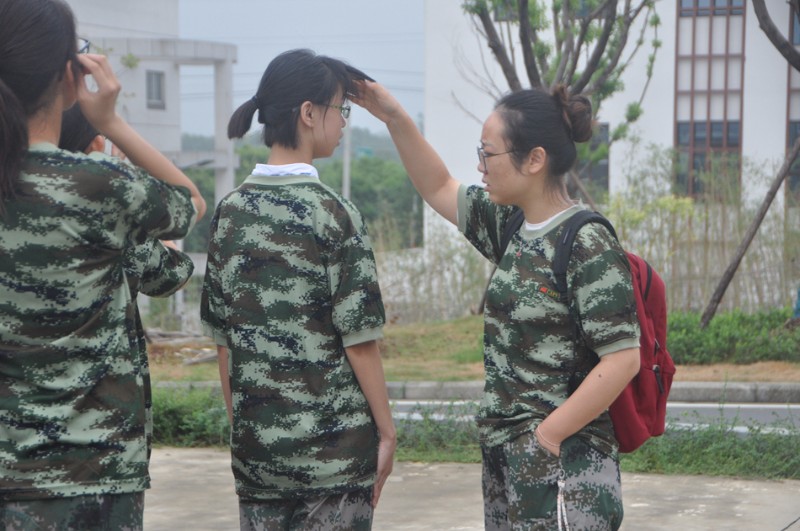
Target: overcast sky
[[384, 38]]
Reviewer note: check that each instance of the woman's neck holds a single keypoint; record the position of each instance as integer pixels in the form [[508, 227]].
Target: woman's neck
[[285, 155], [45, 126]]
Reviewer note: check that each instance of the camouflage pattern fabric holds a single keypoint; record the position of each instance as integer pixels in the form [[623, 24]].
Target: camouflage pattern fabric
[[350, 511], [530, 350], [520, 490], [98, 512], [154, 270], [71, 383], [290, 282]]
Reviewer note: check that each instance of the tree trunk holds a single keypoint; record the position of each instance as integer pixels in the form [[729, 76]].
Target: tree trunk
[[716, 298]]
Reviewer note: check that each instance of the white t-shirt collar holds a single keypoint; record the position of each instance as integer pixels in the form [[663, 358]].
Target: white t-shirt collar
[[282, 170]]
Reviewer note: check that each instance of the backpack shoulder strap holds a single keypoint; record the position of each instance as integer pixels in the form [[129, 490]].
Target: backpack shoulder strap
[[567, 238], [513, 224]]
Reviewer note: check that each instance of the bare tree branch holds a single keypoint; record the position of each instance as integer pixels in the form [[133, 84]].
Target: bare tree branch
[[568, 46], [599, 48], [527, 41], [781, 43], [499, 51]]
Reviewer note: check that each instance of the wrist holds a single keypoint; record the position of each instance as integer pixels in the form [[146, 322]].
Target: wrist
[[545, 440]]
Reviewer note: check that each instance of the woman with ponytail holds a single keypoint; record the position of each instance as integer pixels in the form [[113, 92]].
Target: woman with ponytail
[[72, 407], [292, 301], [549, 452]]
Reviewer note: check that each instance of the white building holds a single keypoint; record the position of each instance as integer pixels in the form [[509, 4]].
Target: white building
[[142, 42]]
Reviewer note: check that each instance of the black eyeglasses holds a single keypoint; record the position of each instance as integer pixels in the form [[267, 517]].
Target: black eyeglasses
[[84, 46], [482, 155], [344, 109]]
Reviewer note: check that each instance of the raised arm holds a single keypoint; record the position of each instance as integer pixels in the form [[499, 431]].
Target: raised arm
[[424, 166], [99, 108]]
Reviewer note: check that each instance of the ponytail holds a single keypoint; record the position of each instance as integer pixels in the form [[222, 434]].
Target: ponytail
[[242, 118]]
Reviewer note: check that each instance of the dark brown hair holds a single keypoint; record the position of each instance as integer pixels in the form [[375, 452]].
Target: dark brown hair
[[37, 40], [554, 122]]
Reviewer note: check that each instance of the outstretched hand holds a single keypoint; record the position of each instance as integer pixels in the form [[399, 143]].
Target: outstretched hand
[[376, 99], [99, 107]]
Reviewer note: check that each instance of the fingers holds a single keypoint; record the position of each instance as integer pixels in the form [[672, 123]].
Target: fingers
[[100, 69]]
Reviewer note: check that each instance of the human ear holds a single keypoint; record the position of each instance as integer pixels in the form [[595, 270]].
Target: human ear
[[98, 143], [69, 87], [307, 113], [537, 160]]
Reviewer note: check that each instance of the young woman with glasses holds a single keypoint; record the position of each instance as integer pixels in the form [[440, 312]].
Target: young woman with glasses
[[292, 301], [549, 453], [72, 405]]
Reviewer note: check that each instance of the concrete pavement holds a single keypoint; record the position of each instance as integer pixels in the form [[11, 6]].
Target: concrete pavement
[[193, 489]]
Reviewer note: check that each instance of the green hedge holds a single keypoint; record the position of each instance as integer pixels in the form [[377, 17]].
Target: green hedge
[[189, 417], [733, 337]]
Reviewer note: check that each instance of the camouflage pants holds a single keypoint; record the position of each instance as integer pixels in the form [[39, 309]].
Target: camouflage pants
[[520, 489], [339, 512], [97, 512]]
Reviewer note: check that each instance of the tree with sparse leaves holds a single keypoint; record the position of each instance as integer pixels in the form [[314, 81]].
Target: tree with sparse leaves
[[584, 44]]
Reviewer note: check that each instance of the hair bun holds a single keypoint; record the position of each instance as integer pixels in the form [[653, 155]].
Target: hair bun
[[576, 111]]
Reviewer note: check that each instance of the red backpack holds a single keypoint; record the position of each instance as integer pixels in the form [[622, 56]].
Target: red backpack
[[639, 412]]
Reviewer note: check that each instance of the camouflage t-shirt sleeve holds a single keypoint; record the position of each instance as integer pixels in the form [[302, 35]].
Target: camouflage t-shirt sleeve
[[481, 221], [358, 313], [212, 302], [166, 271], [602, 291]]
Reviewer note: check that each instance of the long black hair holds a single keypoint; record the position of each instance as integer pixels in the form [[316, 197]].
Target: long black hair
[[36, 41], [290, 79]]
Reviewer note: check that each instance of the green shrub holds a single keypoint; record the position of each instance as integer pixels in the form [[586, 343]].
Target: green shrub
[[718, 450], [189, 417], [732, 337], [438, 434]]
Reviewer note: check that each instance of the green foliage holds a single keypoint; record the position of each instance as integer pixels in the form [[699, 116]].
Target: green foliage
[[732, 337], [633, 112], [716, 449], [383, 194], [197, 240], [189, 417], [436, 434], [130, 61]]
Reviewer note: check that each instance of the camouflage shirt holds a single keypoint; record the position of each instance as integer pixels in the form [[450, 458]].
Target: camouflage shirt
[[155, 270], [531, 351], [71, 389], [291, 281]]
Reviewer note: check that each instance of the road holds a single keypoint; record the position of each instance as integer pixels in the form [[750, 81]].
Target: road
[[678, 413]]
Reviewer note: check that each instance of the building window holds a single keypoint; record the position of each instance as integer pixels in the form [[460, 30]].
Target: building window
[[704, 8], [155, 90], [709, 59], [795, 29]]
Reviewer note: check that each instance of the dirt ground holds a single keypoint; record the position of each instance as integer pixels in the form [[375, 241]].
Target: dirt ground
[[766, 371]]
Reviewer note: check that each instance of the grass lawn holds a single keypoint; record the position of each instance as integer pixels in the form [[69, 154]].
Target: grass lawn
[[444, 351]]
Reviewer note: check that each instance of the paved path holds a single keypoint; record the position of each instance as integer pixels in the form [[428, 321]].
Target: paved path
[[193, 489]]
